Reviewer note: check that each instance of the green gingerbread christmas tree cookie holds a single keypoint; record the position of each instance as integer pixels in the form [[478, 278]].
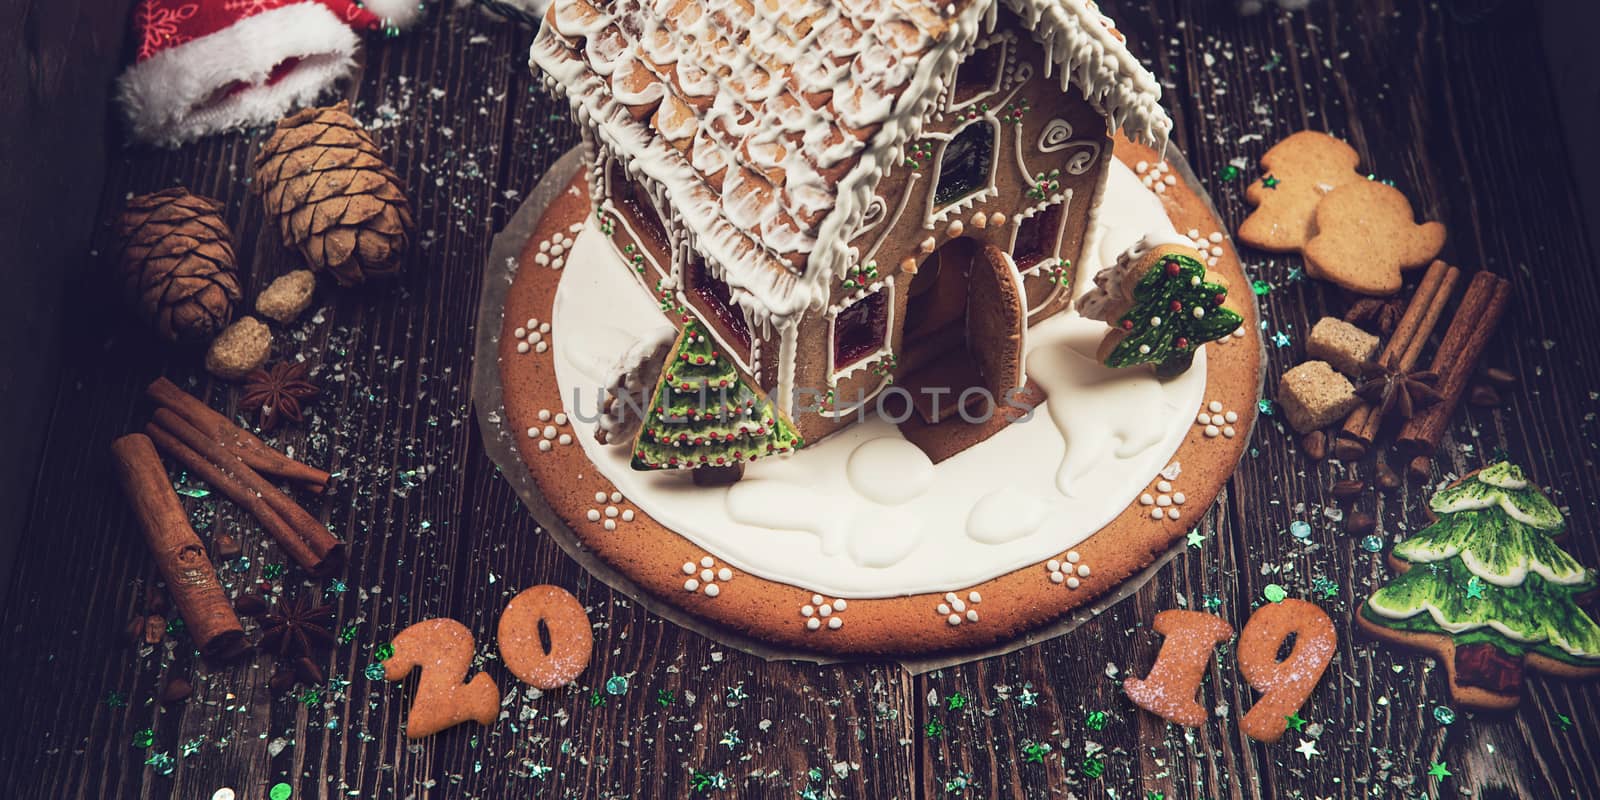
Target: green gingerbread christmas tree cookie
[[1488, 590], [704, 416]]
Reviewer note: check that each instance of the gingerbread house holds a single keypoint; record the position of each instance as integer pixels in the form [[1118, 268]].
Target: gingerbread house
[[852, 194]]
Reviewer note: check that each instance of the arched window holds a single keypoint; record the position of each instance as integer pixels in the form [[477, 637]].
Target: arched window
[[967, 161], [634, 203]]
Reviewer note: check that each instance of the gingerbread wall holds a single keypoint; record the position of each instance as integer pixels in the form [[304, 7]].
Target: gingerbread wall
[[1040, 134]]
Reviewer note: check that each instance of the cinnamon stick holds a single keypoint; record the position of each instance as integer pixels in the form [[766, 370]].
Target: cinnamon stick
[[180, 557], [245, 445], [1402, 350], [302, 537], [1457, 358]]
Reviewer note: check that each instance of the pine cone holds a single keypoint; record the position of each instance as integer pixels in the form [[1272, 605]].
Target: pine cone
[[334, 198], [178, 265]]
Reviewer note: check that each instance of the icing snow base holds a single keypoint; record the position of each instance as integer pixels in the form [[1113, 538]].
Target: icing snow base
[[897, 524]]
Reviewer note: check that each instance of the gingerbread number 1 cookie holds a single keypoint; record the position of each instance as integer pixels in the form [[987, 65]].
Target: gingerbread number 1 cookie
[[1169, 690], [443, 649], [571, 638], [1284, 684]]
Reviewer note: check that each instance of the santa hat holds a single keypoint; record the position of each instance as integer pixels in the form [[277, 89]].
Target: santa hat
[[213, 65]]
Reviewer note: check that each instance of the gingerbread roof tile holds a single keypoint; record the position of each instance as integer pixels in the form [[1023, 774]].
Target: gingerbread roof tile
[[769, 122]]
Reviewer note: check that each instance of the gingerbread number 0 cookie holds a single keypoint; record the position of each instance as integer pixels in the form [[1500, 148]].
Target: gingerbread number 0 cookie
[[1169, 690], [571, 638], [443, 649], [1284, 684]]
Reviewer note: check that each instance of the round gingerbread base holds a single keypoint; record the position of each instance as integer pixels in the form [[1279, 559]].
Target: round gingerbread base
[[573, 494]]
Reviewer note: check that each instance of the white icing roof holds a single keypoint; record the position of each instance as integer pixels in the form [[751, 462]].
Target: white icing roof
[[768, 121]]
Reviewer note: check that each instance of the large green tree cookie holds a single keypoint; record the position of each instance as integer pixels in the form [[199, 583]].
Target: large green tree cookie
[[1488, 583]]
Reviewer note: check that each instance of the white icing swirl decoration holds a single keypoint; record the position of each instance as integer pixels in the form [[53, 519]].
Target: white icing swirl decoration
[[1057, 136]]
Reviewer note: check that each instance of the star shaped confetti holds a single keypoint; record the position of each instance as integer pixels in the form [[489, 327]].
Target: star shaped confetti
[[1264, 405], [1280, 339], [1270, 181], [1296, 274], [1439, 771], [1096, 720], [664, 697], [1475, 588], [1034, 752], [1308, 749], [1196, 538], [1094, 767], [1295, 722], [956, 701], [1027, 698], [1564, 721], [933, 730]]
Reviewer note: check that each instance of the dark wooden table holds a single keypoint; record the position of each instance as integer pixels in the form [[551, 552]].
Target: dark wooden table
[[1459, 114]]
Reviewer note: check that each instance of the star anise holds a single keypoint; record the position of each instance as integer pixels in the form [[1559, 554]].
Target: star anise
[[1391, 390], [289, 633], [278, 391], [292, 628]]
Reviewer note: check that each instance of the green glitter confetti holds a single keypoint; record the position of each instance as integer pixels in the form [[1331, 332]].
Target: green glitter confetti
[[1564, 721], [198, 494], [192, 746], [933, 730], [707, 781], [1228, 172], [1027, 698], [1195, 538], [241, 564], [310, 697], [1096, 720], [1270, 181], [1264, 405], [1274, 592], [1300, 529], [144, 738], [1093, 767], [1155, 796], [374, 671], [1296, 275], [959, 784], [665, 697], [616, 685], [1439, 771], [1260, 287], [1034, 752], [1325, 587], [1372, 544], [162, 763], [540, 770], [271, 571], [115, 699], [1295, 722], [955, 702], [335, 586], [175, 625], [280, 791], [348, 633], [1213, 601], [1281, 339], [736, 694], [1443, 715], [596, 699], [730, 739], [383, 652]]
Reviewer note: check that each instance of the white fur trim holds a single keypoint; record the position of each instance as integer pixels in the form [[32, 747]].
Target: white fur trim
[[167, 98], [399, 13]]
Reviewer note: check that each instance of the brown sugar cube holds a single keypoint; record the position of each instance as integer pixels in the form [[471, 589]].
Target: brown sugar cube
[[1313, 396], [1341, 344], [288, 296], [240, 349]]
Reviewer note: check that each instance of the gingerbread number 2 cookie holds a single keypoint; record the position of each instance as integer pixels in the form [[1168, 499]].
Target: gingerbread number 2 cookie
[[1169, 690], [1284, 684], [571, 638], [443, 649]]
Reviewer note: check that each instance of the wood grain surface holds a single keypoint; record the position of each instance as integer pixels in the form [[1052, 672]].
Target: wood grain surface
[[1458, 113]]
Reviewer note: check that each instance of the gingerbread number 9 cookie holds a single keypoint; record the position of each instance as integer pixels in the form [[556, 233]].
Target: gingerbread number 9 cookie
[[1284, 684]]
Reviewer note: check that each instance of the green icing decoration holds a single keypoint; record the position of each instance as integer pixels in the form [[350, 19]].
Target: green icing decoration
[[705, 414], [1175, 311], [1488, 572]]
